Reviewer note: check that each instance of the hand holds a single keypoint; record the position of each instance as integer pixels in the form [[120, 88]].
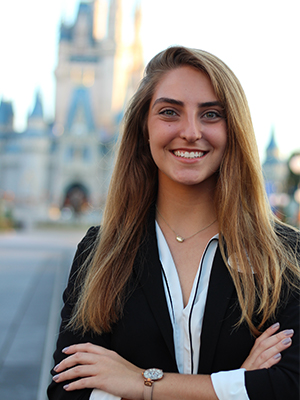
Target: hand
[[267, 348], [98, 368]]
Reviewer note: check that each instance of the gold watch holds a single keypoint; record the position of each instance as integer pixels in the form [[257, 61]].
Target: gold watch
[[150, 376]]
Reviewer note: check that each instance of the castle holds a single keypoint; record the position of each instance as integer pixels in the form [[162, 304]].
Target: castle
[[62, 169]]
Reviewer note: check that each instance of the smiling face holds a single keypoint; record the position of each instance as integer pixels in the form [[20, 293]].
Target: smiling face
[[187, 128]]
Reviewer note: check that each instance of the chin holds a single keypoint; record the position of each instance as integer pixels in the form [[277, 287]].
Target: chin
[[207, 183]]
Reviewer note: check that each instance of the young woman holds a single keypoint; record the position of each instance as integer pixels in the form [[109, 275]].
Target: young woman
[[190, 266]]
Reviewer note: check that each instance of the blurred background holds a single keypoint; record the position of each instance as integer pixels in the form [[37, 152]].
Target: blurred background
[[68, 68], [67, 71]]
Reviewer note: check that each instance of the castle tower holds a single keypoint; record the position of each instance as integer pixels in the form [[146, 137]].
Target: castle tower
[[87, 62], [91, 85], [275, 172], [8, 169], [35, 144], [68, 164], [6, 116], [272, 151], [36, 117], [24, 166], [137, 57]]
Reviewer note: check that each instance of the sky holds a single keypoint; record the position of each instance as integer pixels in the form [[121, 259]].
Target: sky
[[257, 39]]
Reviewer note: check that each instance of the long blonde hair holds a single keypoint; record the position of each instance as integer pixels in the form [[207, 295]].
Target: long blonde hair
[[261, 261]]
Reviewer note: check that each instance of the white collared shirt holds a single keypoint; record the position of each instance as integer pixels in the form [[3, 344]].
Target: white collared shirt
[[187, 322]]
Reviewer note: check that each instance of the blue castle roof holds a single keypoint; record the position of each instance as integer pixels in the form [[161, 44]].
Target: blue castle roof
[[272, 151], [37, 111], [67, 32], [81, 99], [6, 112]]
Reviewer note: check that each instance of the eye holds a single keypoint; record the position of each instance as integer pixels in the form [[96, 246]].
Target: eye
[[168, 113], [212, 115]]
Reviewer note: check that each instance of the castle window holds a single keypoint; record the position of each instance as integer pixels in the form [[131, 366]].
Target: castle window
[[86, 154], [69, 153]]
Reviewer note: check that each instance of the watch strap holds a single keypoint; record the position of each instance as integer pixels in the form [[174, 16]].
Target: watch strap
[[148, 389], [151, 375]]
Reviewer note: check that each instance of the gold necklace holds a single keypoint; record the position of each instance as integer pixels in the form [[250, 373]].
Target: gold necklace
[[179, 238]]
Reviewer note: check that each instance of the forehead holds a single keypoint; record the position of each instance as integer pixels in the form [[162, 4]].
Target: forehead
[[185, 84]]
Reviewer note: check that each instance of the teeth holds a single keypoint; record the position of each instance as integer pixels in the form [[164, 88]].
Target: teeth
[[186, 154]]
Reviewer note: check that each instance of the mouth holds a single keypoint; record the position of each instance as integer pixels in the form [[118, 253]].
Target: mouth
[[189, 154]]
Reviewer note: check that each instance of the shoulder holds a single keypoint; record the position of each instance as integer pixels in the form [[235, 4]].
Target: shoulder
[[89, 240], [87, 244], [289, 236], [84, 250]]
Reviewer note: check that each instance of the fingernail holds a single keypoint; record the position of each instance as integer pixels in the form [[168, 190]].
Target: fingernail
[[275, 326], [288, 332], [66, 386], [55, 378], [56, 367], [65, 349], [277, 356], [286, 341]]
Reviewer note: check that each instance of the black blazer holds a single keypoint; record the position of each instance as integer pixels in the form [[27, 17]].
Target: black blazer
[[144, 334]]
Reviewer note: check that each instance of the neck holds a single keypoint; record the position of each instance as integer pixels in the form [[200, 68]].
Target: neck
[[186, 209]]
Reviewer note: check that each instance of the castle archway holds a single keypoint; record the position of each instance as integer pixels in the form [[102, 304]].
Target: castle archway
[[76, 198]]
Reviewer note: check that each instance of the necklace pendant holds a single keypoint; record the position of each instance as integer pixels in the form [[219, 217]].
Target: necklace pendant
[[179, 239]]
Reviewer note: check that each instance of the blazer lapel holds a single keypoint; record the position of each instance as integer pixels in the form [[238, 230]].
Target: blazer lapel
[[220, 291], [149, 270]]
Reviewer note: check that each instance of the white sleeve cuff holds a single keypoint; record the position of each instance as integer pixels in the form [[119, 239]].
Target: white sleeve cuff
[[230, 385], [100, 395]]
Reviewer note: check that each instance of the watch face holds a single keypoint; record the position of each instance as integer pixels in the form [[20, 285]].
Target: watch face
[[154, 374]]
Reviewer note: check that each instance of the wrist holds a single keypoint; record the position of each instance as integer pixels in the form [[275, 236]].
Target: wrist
[[150, 377]]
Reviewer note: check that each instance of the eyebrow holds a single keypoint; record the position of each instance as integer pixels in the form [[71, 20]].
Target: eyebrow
[[181, 103], [167, 100], [210, 104]]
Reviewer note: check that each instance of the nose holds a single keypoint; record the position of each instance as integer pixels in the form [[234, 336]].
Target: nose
[[191, 129]]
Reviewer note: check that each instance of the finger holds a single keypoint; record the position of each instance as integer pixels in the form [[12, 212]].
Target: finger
[[84, 383], [268, 342], [260, 341], [95, 349], [266, 347], [76, 359], [271, 361], [276, 337], [119, 384], [84, 348], [77, 372], [273, 355], [268, 333], [90, 348]]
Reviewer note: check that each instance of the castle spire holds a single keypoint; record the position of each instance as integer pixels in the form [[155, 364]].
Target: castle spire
[[6, 116], [37, 111], [272, 150], [36, 117], [115, 21]]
